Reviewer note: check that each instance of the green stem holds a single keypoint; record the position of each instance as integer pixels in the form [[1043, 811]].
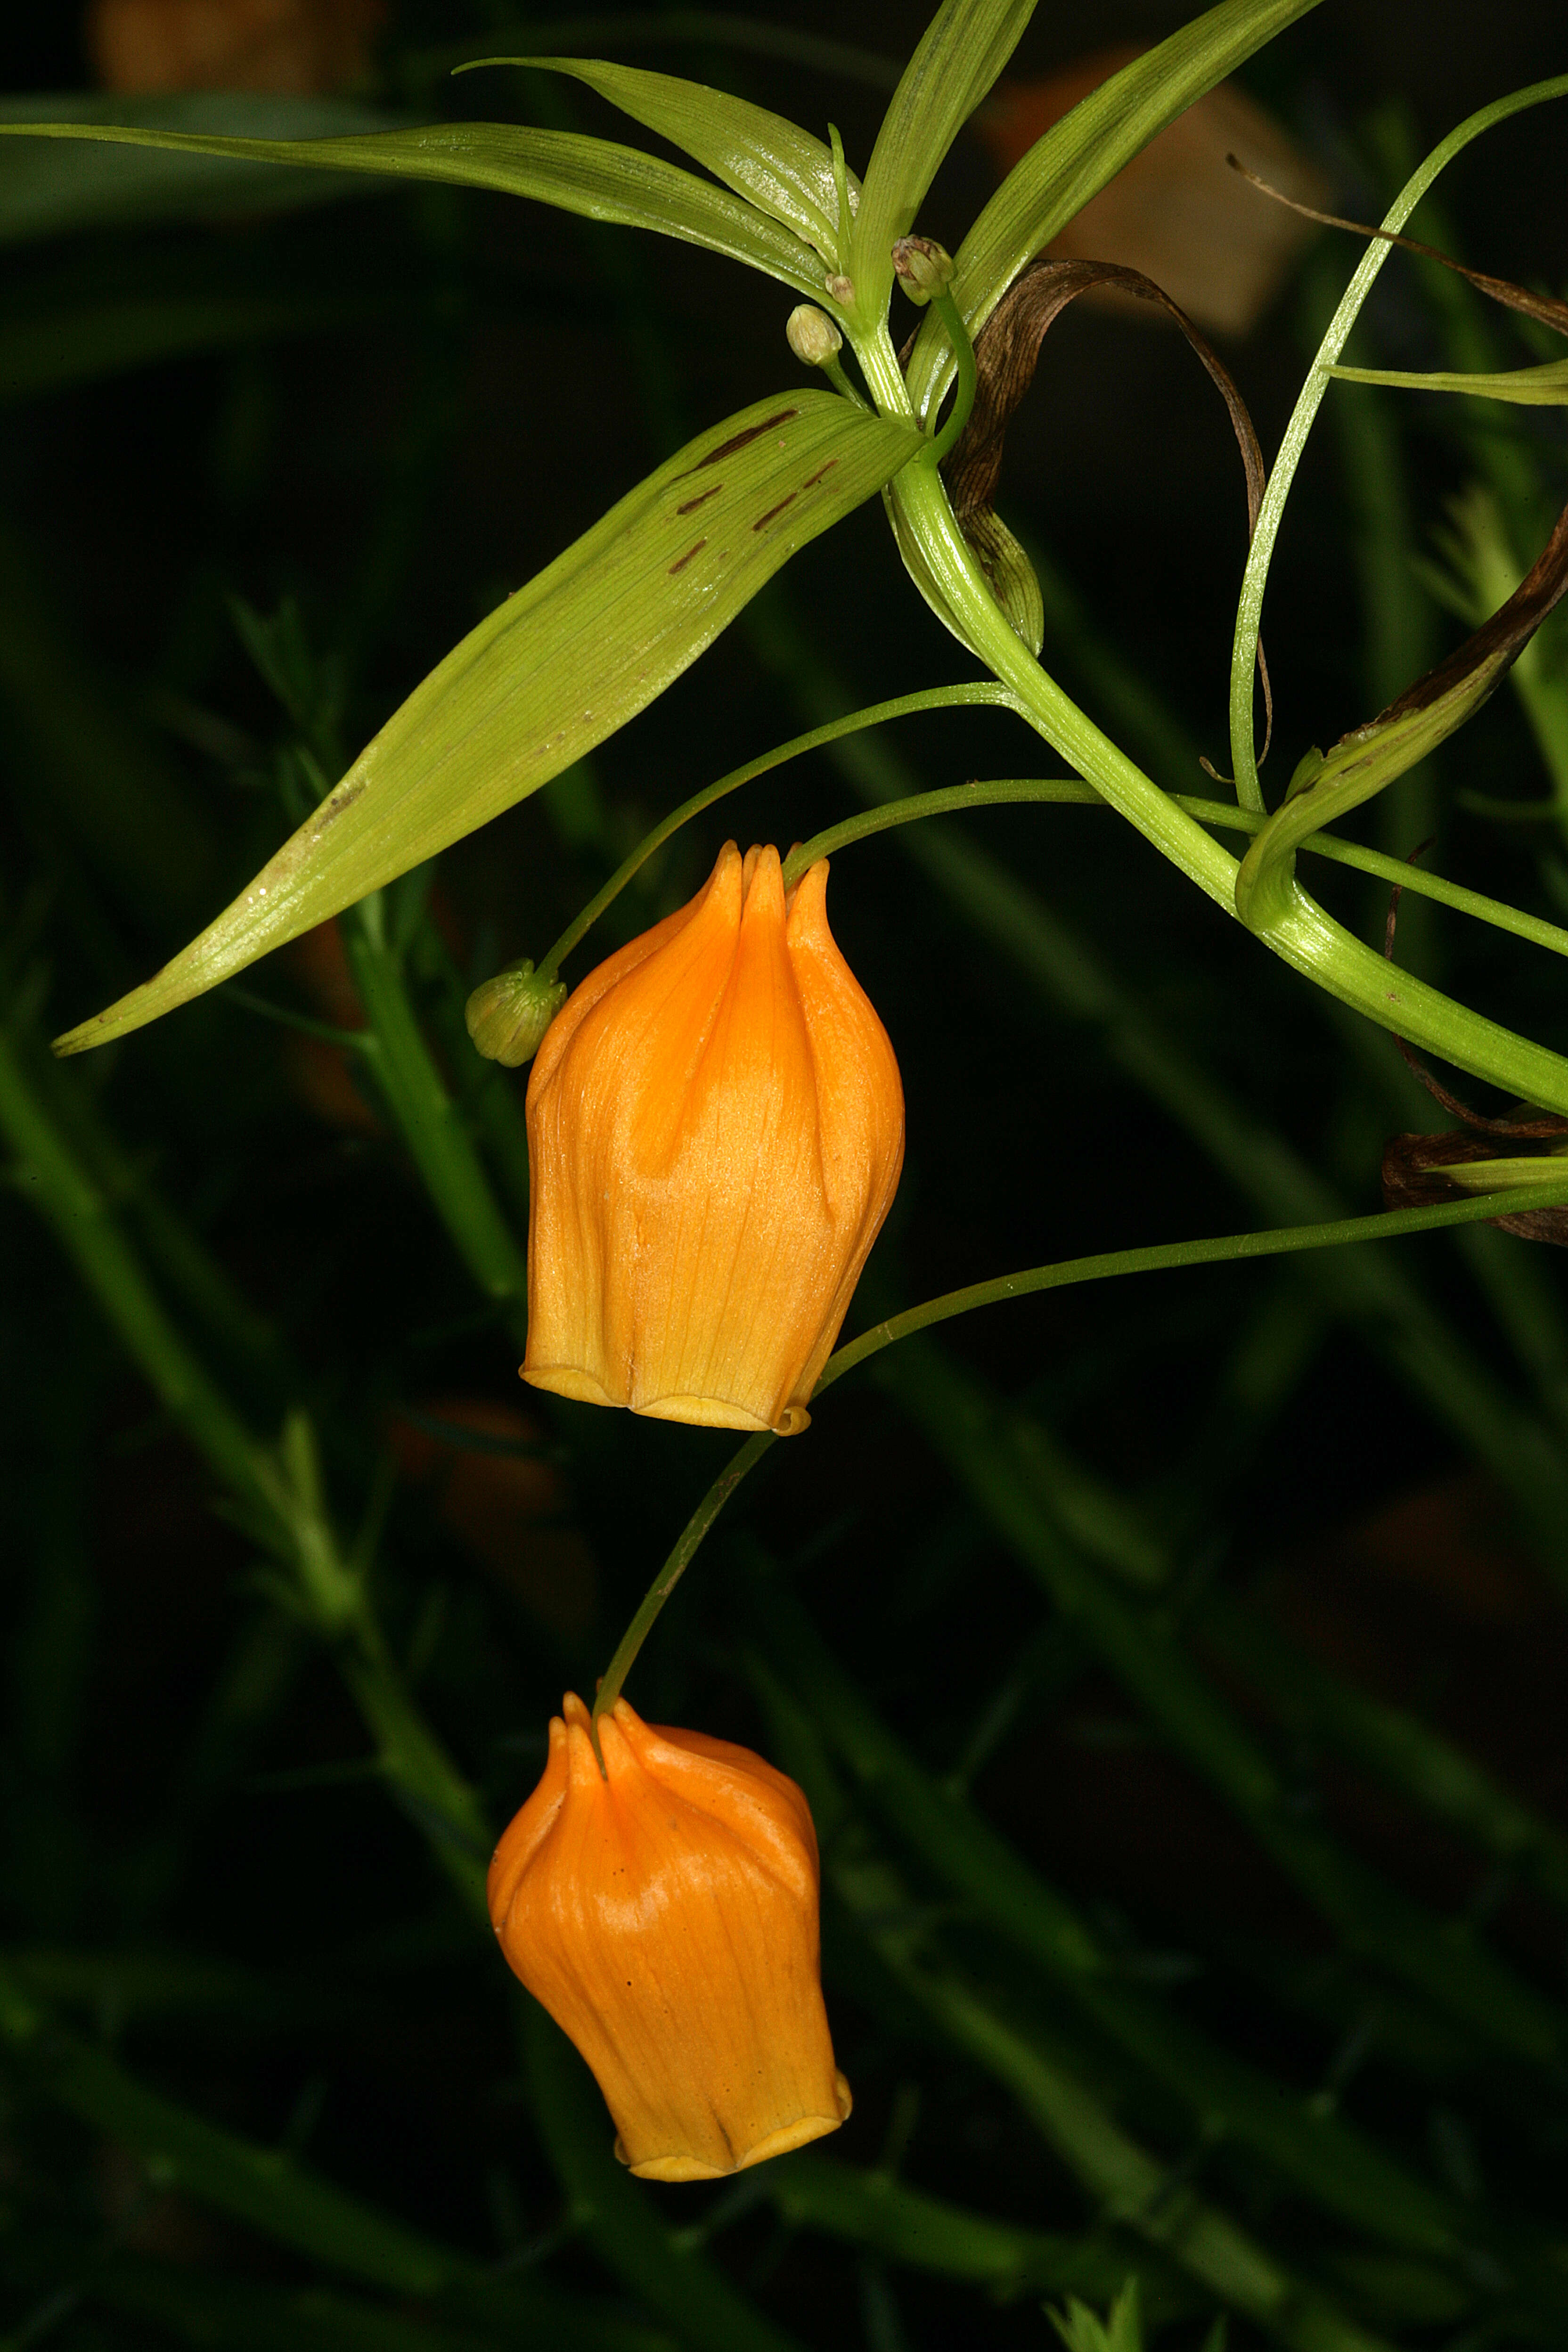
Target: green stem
[[903, 706], [921, 2233], [1128, 2184], [952, 318], [489, 1098], [1403, 1752], [920, 497], [833, 369], [945, 802], [675, 1567], [1318, 2153], [988, 1455], [1369, 1288], [429, 1120], [1068, 791], [325, 1033], [279, 1489], [1249, 609], [52, 1176], [1163, 1258], [289, 2205], [1169, 1255], [1301, 934]]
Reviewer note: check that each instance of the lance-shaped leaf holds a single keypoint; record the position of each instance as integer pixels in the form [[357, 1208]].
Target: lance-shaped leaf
[[965, 46], [764, 157], [45, 194], [1532, 387], [591, 176], [554, 670], [1075, 158], [1361, 763]]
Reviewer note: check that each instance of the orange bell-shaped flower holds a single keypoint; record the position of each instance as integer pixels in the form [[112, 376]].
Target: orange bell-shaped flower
[[665, 1913], [715, 1131]]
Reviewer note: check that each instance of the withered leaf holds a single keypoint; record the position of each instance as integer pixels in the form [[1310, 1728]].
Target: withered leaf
[[1545, 307], [1369, 756], [1006, 353], [1413, 1178], [1475, 669], [1414, 1165]]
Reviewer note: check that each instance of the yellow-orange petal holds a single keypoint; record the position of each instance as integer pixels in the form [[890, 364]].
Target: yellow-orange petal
[[716, 1130], [665, 1912]]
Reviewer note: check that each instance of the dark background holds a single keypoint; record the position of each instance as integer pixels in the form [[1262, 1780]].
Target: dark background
[[475, 383]]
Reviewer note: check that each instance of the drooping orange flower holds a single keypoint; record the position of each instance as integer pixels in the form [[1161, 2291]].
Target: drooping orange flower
[[715, 1130], [665, 1913]]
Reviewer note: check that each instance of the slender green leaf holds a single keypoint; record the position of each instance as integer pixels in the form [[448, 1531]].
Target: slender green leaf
[[1075, 158], [1497, 1175], [1369, 758], [1532, 387], [1082, 2330], [556, 668], [1342, 2169], [46, 193], [1288, 457], [590, 176], [966, 45], [1122, 2177], [922, 574], [1378, 1923], [111, 337], [251, 2315], [283, 2202], [765, 158], [907, 2225], [287, 2202], [1399, 1746]]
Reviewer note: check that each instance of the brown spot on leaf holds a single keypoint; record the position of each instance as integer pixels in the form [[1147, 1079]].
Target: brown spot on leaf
[[334, 805], [812, 479], [763, 520], [690, 506], [682, 561], [739, 440]]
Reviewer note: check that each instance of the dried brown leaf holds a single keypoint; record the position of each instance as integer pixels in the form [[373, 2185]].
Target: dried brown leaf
[[1006, 353]]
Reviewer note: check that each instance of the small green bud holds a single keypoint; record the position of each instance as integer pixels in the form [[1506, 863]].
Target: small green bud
[[813, 337], [508, 1014], [923, 267], [840, 289]]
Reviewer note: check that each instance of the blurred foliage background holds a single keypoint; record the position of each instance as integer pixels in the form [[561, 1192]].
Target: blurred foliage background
[[1175, 1667]]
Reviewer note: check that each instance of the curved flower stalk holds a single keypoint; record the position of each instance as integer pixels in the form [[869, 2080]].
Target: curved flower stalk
[[716, 1130], [664, 1910]]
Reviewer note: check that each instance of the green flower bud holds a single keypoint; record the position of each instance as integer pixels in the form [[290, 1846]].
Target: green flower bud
[[813, 337], [508, 1014], [923, 267], [842, 291]]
